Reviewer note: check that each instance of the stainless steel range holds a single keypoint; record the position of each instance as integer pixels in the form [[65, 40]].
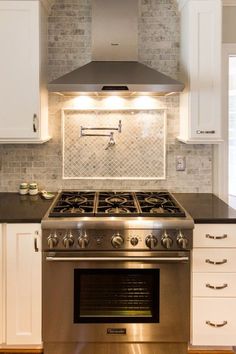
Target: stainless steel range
[[116, 274]]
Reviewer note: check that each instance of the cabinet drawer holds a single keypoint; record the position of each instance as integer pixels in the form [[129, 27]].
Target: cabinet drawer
[[214, 260], [214, 284], [214, 235], [213, 321]]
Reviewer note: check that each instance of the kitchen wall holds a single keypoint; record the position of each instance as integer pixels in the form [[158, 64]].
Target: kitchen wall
[[70, 47], [228, 25]]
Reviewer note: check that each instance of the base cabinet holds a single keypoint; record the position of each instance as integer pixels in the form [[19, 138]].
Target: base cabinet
[[213, 304], [22, 285]]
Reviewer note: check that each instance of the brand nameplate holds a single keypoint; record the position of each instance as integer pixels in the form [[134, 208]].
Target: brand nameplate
[[116, 330]]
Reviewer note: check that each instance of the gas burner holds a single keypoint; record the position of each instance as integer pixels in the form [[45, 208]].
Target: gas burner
[[117, 210], [157, 211], [72, 210], [116, 200], [155, 200], [77, 199]]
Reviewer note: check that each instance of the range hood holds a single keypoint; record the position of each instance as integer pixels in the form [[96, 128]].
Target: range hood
[[114, 68]]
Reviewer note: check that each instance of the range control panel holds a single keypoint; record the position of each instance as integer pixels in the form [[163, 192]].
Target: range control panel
[[75, 239]]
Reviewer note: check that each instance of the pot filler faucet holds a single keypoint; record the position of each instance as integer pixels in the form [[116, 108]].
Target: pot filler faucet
[[111, 141]]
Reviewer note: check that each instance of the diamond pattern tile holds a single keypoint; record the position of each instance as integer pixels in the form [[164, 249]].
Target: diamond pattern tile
[[139, 150]]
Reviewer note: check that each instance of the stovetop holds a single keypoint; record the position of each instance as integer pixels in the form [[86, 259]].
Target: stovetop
[[111, 203], [108, 220]]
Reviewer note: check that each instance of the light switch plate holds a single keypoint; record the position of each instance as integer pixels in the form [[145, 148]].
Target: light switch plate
[[180, 163]]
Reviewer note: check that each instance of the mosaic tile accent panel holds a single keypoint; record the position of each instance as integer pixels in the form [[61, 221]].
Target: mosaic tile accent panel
[[138, 153]]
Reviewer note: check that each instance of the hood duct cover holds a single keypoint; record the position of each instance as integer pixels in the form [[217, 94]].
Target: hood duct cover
[[114, 52]]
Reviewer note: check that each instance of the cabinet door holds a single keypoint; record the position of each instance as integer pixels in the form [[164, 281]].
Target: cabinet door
[[200, 103], [214, 260], [23, 288], [206, 64], [19, 69], [214, 321], [214, 236]]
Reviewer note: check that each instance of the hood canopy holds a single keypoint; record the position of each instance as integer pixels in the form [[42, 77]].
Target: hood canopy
[[115, 76], [114, 66]]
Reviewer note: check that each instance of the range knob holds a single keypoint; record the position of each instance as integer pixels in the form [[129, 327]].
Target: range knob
[[166, 240], [151, 241], [83, 240], [181, 240], [52, 240], [134, 241], [68, 240], [117, 240]]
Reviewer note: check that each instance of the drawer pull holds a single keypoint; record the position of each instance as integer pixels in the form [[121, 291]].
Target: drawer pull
[[216, 237], [216, 263], [216, 287], [209, 323]]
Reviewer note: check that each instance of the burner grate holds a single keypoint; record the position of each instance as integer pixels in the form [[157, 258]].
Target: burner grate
[[159, 204], [110, 203], [72, 204]]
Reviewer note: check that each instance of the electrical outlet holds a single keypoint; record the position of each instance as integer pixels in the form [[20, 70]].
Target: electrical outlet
[[180, 163]]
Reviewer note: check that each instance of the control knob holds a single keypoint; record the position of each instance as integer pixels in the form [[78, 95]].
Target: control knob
[[166, 240], [52, 240], [181, 240], [117, 240], [151, 241], [68, 240], [134, 241], [83, 240]]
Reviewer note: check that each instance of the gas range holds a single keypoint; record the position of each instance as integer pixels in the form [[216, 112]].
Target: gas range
[[120, 221], [117, 266]]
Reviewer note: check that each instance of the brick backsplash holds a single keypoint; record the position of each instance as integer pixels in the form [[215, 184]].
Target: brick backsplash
[[69, 34]]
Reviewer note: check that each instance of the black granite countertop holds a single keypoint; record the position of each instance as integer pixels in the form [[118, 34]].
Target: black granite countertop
[[203, 207], [15, 208], [206, 208]]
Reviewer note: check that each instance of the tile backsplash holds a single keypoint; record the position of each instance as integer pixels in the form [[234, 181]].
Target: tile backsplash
[[70, 47], [138, 152]]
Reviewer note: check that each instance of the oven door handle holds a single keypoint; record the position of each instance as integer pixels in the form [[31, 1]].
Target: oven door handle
[[117, 259]]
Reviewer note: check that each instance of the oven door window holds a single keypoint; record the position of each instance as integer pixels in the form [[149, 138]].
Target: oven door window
[[116, 295]]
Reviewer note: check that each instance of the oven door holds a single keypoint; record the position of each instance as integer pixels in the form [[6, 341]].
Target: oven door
[[128, 297]]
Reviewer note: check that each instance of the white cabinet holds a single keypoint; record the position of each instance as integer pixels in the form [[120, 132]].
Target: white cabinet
[[213, 304], [200, 66], [23, 92], [22, 285]]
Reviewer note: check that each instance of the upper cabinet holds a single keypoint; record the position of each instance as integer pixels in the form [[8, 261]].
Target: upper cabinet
[[23, 63], [200, 66]]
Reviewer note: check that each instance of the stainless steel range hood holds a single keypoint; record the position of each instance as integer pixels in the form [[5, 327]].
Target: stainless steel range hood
[[115, 68]]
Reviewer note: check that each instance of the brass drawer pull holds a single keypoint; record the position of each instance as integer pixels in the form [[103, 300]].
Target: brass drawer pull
[[216, 287], [217, 325], [216, 263], [216, 237]]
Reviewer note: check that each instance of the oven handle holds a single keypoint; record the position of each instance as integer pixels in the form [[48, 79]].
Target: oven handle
[[119, 259]]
